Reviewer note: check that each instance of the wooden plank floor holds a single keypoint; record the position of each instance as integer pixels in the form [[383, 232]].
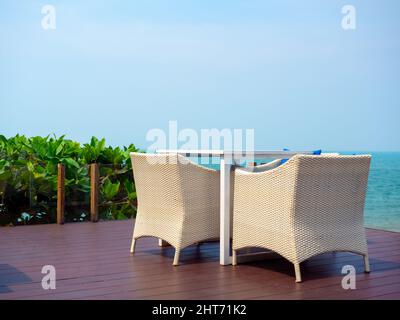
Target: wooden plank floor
[[92, 261]]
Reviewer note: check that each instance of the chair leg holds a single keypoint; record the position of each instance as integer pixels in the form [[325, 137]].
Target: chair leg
[[176, 257], [366, 264], [297, 272], [162, 243], [133, 244], [234, 258]]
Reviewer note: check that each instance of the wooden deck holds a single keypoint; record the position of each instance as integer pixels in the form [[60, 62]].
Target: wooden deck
[[92, 261]]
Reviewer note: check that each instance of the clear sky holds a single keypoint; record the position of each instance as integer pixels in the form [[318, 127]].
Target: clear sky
[[117, 69]]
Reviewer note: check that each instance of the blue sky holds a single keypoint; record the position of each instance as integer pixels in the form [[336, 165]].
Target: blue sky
[[285, 68]]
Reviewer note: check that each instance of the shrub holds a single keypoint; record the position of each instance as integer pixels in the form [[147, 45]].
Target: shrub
[[28, 179]]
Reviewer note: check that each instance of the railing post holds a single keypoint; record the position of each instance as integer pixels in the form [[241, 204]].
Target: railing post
[[94, 192], [60, 193]]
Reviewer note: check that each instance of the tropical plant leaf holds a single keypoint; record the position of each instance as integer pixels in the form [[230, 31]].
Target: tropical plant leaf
[[110, 190], [71, 162]]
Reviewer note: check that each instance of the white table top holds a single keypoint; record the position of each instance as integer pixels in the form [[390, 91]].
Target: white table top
[[216, 153]]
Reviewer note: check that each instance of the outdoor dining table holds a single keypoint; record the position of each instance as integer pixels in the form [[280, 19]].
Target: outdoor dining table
[[227, 159]]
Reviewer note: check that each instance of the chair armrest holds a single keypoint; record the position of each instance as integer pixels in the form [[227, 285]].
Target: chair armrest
[[266, 166]]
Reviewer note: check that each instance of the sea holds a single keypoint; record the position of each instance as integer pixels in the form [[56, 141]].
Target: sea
[[382, 207]]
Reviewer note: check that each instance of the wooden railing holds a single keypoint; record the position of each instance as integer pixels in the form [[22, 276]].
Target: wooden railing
[[60, 194], [94, 193]]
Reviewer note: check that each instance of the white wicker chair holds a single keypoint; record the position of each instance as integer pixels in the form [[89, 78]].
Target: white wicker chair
[[178, 200], [304, 207]]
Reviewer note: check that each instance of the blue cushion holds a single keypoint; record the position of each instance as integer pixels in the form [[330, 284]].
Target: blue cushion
[[286, 159], [317, 152]]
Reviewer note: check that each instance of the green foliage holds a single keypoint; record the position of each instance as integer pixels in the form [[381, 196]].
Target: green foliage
[[92, 151], [28, 178], [110, 190]]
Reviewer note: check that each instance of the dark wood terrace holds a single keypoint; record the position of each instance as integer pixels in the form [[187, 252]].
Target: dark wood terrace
[[92, 261]]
